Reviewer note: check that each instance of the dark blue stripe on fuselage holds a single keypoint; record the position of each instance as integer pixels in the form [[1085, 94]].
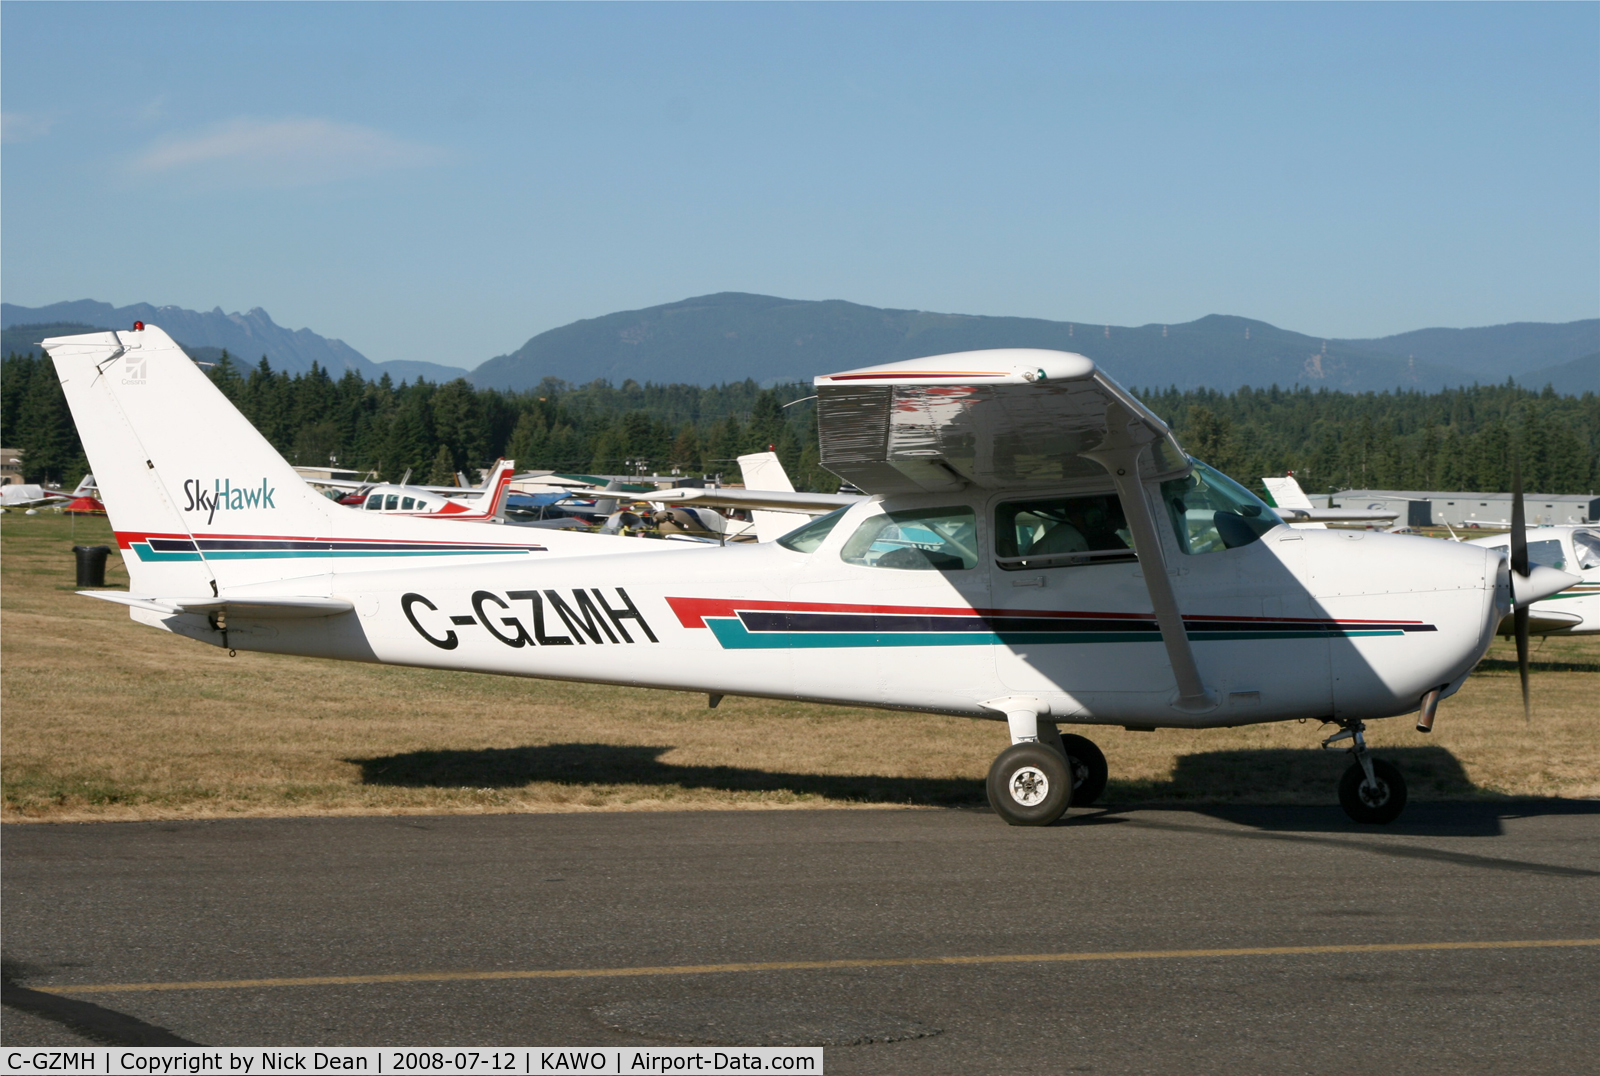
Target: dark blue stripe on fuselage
[[878, 623]]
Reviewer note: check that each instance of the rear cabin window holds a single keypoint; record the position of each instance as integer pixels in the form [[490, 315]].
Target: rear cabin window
[[1211, 512], [1058, 531], [916, 539], [406, 505]]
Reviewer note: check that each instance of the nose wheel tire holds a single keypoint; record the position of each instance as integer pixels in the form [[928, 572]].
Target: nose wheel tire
[[1088, 766], [1029, 785], [1371, 804]]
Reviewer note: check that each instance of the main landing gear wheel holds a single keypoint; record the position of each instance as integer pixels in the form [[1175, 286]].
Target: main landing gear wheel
[[1088, 766], [1029, 785], [1373, 802]]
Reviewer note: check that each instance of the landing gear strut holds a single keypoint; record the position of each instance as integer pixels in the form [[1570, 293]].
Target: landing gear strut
[[1371, 791]]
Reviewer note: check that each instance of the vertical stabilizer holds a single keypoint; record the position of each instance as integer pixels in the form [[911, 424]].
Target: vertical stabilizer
[[1286, 493], [174, 459], [202, 503], [764, 471]]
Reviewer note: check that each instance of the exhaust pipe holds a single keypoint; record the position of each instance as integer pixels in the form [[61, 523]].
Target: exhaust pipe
[[1430, 706]]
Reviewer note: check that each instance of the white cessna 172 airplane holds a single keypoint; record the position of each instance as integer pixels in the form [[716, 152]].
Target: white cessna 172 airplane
[[1037, 550]]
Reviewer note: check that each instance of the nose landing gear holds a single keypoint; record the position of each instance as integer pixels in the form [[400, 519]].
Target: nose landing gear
[[1371, 791]]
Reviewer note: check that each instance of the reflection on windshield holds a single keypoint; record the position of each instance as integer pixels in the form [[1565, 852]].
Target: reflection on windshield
[[1586, 544], [806, 538], [1211, 512]]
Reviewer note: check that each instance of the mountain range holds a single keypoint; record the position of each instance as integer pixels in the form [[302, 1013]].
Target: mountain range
[[246, 337], [731, 336]]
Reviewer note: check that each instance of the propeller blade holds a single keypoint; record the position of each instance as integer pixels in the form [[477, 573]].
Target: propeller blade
[[1520, 619], [1519, 529], [1519, 564]]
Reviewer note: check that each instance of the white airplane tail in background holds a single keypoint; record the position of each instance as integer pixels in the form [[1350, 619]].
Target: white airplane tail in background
[[1286, 493], [764, 471], [201, 502]]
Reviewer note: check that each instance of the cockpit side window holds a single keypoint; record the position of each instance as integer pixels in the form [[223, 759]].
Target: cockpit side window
[[916, 539], [1058, 531], [1211, 512], [807, 537], [1548, 552]]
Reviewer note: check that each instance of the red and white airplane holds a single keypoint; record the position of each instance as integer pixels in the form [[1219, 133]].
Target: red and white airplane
[[484, 504], [1036, 549]]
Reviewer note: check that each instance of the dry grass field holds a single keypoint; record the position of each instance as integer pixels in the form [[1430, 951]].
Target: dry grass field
[[104, 719]]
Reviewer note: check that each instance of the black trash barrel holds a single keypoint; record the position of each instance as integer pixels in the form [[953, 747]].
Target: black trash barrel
[[91, 564]]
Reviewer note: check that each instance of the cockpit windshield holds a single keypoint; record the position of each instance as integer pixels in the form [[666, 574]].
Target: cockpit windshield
[[806, 538], [1211, 512], [1586, 546]]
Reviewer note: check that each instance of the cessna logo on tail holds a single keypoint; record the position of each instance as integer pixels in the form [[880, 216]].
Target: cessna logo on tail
[[224, 496], [133, 370], [584, 616]]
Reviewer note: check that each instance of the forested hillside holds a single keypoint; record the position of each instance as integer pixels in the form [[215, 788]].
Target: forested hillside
[[1457, 439]]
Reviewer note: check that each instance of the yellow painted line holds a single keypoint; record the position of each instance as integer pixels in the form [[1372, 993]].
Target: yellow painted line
[[809, 965]]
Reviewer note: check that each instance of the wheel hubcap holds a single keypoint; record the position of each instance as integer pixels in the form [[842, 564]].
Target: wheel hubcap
[[1080, 772], [1374, 794], [1029, 786]]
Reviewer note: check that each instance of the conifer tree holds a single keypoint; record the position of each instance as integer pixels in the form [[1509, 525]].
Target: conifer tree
[[443, 471]]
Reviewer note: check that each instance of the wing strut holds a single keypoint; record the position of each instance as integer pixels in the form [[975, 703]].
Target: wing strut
[[1120, 454]]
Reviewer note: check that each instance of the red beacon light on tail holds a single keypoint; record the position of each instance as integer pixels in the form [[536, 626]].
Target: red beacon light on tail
[[138, 326]]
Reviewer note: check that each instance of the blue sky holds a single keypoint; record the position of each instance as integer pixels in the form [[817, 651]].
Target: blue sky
[[441, 182]]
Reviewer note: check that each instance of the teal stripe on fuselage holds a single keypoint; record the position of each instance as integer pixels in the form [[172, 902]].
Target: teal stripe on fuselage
[[733, 636], [146, 553]]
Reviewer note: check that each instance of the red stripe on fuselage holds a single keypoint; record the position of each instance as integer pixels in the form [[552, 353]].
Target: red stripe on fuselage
[[126, 538]]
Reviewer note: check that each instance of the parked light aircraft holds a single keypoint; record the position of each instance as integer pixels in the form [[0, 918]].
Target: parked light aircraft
[[484, 504], [1575, 610], [1036, 549], [18, 495], [1294, 507]]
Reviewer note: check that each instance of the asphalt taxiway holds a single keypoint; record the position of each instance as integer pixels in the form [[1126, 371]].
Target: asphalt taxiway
[[1466, 937]]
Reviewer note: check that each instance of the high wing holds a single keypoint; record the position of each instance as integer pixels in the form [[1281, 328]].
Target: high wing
[[775, 500], [1014, 418], [1336, 515]]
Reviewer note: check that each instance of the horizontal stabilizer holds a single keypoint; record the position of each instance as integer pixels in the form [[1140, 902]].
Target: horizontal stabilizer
[[252, 608]]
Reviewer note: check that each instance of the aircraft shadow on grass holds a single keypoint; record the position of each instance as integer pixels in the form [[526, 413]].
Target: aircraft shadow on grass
[[1258, 778], [615, 764]]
